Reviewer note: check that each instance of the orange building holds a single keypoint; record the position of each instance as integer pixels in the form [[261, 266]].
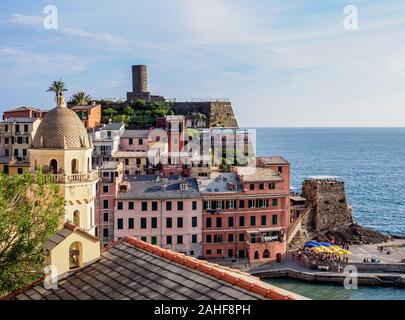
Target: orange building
[[89, 114]]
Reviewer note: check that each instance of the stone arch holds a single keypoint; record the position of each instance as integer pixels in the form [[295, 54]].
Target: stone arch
[[266, 254], [76, 218], [75, 255], [75, 166], [53, 166], [257, 256]]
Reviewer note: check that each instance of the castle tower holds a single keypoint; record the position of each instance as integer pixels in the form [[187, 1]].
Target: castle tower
[[139, 79], [62, 148]]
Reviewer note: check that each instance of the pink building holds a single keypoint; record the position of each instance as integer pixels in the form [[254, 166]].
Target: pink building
[[111, 175], [165, 212], [135, 140], [246, 214]]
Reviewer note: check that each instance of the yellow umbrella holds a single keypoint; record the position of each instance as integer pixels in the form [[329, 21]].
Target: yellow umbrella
[[325, 249]]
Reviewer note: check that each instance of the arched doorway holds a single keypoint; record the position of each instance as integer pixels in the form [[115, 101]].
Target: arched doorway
[[256, 255], [53, 166], [266, 254], [76, 218], [75, 256], [75, 166]]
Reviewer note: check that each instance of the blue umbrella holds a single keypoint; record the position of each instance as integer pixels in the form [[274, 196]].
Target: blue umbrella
[[326, 244]]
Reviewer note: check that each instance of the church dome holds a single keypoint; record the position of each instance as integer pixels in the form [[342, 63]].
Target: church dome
[[61, 129]]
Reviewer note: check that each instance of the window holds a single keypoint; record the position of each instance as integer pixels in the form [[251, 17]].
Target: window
[[130, 141], [194, 238], [17, 128], [131, 223], [179, 239], [154, 240], [252, 203], [120, 206], [138, 162], [208, 252], [169, 240], [207, 205], [20, 171], [230, 222], [105, 218], [120, 224], [241, 204], [241, 221], [105, 189], [230, 253], [208, 238], [194, 222], [154, 223], [241, 237], [218, 238], [209, 223], [25, 127], [168, 206], [169, 223], [140, 142], [144, 206], [219, 222], [219, 251], [194, 205], [180, 205], [264, 220], [252, 187], [105, 204], [179, 222], [275, 202], [127, 162], [154, 206], [280, 169], [231, 204], [143, 223], [275, 219], [131, 205], [106, 174], [272, 186], [144, 239], [253, 221], [105, 233], [261, 186], [230, 237], [19, 140]]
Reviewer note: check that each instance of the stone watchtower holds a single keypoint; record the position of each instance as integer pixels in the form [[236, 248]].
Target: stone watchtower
[[330, 210], [140, 86]]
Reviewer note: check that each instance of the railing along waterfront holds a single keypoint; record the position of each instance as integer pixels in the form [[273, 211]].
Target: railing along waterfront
[[74, 178]]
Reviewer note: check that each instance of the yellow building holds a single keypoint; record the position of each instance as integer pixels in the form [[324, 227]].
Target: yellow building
[[62, 148]]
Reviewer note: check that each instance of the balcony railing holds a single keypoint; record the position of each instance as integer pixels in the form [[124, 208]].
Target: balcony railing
[[74, 178]]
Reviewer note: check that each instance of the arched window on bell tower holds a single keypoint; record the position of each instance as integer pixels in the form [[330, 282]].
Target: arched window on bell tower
[[53, 166], [75, 166], [75, 256]]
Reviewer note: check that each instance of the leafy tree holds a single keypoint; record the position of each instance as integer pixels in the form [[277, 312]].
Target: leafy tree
[[80, 98], [129, 111], [31, 209], [58, 87], [109, 112]]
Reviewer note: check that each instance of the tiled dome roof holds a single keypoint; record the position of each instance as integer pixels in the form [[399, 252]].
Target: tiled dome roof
[[61, 129]]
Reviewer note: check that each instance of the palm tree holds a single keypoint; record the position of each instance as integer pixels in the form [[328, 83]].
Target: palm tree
[[58, 87], [80, 98]]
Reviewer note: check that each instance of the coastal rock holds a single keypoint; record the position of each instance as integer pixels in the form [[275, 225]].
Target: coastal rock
[[331, 216]]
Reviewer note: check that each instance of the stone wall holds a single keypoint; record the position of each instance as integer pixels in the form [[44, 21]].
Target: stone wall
[[218, 113], [330, 210]]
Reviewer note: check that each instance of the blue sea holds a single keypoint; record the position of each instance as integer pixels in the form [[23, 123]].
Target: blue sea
[[371, 161]]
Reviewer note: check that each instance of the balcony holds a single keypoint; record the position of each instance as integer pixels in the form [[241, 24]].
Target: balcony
[[74, 178]]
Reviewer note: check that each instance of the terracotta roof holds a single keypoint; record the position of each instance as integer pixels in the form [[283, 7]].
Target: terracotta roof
[[23, 108], [131, 269], [273, 160], [61, 128]]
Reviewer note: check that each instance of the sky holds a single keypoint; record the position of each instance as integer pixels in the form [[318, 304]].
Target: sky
[[282, 63]]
